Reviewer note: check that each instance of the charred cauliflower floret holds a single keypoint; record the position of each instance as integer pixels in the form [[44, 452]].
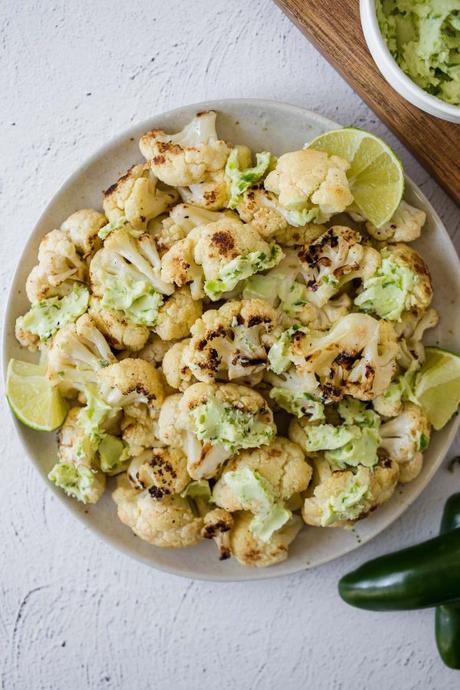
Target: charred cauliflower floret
[[217, 526], [136, 198], [225, 419], [229, 251], [177, 315], [178, 375], [125, 274], [132, 381], [273, 221], [59, 265], [242, 175], [231, 342], [406, 435], [283, 288], [82, 227], [252, 551], [402, 282], [211, 195], [218, 256], [77, 353], [178, 266], [340, 498], [334, 259], [168, 522], [404, 226], [188, 157], [355, 357], [211, 423], [282, 464], [121, 333], [410, 330], [162, 471], [310, 183], [76, 471], [180, 221]]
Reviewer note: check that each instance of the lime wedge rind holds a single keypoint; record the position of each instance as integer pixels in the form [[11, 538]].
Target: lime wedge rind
[[32, 398], [437, 385]]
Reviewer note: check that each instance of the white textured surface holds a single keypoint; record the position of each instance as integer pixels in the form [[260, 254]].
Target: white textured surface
[[73, 613]]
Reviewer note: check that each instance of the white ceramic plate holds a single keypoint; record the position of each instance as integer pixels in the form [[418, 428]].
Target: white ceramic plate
[[262, 125]]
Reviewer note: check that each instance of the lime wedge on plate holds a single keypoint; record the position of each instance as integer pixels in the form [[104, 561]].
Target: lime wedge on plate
[[437, 385], [375, 174], [34, 401]]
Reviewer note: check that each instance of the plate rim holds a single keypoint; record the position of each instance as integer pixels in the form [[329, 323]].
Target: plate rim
[[257, 574]]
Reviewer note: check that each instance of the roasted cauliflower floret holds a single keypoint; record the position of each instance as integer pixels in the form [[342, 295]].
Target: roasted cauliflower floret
[[82, 227], [231, 342], [343, 497], [59, 265], [121, 333], [333, 260], [139, 428], [273, 221], [406, 435], [162, 471], [211, 423], [410, 330], [221, 254], [44, 318], [282, 463], [229, 251], [125, 274], [217, 526], [137, 198], [402, 282], [132, 381], [309, 180], [212, 194], [171, 429], [77, 352], [181, 219], [226, 419], [178, 266], [252, 551], [76, 471], [168, 522], [178, 375], [177, 315], [405, 225], [241, 175], [289, 391], [355, 357], [283, 287], [188, 157]]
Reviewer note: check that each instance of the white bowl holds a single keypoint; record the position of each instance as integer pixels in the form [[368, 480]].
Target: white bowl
[[394, 75], [263, 125]]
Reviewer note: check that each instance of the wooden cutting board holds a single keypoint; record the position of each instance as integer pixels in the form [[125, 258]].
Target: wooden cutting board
[[334, 27]]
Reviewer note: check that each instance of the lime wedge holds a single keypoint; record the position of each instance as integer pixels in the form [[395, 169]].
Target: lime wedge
[[437, 385], [375, 174], [34, 401]]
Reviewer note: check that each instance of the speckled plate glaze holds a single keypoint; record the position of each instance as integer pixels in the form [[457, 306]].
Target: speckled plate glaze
[[262, 125]]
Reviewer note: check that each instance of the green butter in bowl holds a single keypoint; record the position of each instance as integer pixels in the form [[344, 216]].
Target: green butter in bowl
[[424, 38]]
